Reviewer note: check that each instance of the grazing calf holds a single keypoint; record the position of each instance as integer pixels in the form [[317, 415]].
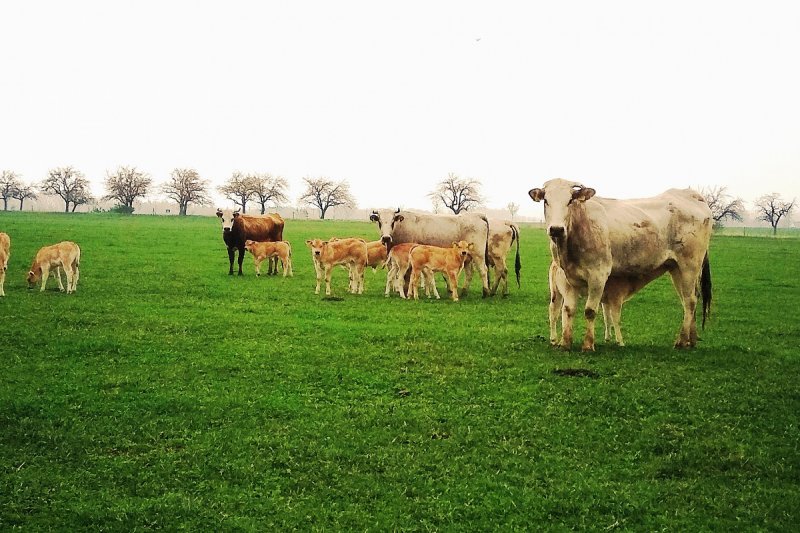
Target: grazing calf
[[328, 254], [426, 260], [65, 255], [5, 252], [268, 250]]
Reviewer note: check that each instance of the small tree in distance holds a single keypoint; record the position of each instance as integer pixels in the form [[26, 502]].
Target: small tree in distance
[[771, 208], [70, 185], [9, 182], [125, 185], [324, 193], [458, 194], [268, 188], [184, 186], [513, 209], [722, 204], [239, 189], [24, 192]]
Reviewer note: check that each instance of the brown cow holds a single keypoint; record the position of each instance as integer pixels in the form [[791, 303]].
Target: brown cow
[[65, 255], [328, 254], [267, 250], [238, 228], [5, 252], [398, 264], [425, 260], [376, 254]]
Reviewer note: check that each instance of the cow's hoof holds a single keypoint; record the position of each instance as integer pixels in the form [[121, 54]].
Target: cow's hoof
[[587, 348]]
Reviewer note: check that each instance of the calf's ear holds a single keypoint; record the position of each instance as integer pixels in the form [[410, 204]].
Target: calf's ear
[[308, 243], [537, 195]]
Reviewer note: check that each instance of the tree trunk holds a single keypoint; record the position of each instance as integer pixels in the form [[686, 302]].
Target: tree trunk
[[263, 208], [20, 204], [183, 208], [322, 212], [66, 206], [5, 204]]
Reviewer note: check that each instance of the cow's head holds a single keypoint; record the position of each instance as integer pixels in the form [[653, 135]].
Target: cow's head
[[227, 217], [464, 248], [387, 220], [559, 197], [316, 246], [248, 245], [34, 275]]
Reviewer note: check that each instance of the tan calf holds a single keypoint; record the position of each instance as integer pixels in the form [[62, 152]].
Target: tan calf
[[328, 254], [426, 260], [268, 250], [398, 264], [65, 255], [5, 252]]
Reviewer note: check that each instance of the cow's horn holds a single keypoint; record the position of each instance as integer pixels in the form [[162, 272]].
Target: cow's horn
[[398, 210]]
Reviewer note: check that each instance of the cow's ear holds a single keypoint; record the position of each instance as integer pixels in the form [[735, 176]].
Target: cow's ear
[[308, 243], [399, 218], [374, 217], [236, 214], [219, 213], [455, 245], [583, 194], [324, 243], [537, 195], [471, 246]]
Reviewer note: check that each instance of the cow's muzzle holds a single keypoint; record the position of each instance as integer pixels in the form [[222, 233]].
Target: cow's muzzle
[[386, 239], [557, 233]]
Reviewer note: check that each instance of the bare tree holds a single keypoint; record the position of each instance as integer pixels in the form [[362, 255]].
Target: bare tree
[[125, 185], [513, 209], [185, 186], [267, 187], [458, 194], [9, 182], [70, 185], [238, 189], [771, 208], [24, 192], [324, 193], [722, 205]]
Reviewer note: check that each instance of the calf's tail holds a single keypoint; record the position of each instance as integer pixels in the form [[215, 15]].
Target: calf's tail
[[705, 289]]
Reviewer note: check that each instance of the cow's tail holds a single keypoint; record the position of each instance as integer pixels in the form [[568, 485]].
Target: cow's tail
[[705, 289], [486, 248], [517, 263]]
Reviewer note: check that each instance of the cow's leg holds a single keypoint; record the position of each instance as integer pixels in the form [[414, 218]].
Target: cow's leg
[[570, 304], [431, 281], [468, 270], [257, 261], [453, 284], [285, 265], [2, 280], [289, 262], [685, 281], [59, 270], [318, 272], [480, 264], [76, 274], [68, 272], [328, 273], [413, 284], [361, 269], [555, 307], [595, 294], [241, 260], [390, 276], [615, 316], [400, 281], [231, 257], [45, 275]]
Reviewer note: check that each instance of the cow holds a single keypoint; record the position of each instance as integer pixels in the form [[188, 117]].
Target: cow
[[267, 250], [399, 226], [328, 254], [637, 241], [376, 254], [65, 255], [425, 260], [5, 252], [238, 228], [501, 237]]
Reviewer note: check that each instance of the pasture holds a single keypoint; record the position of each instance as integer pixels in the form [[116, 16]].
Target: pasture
[[167, 394]]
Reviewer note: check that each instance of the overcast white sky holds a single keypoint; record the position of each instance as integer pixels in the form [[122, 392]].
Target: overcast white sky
[[628, 97]]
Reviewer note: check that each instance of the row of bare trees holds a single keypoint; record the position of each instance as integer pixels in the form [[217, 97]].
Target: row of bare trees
[[770, 208]]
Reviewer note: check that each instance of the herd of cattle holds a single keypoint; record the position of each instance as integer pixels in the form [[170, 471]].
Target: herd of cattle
[[603, 249]]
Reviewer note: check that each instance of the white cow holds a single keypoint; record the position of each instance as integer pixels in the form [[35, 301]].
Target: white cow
[[632, 241]]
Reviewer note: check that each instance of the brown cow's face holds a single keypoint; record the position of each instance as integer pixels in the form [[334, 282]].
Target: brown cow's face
[[464, 249], [227, 218], [33, 277], [559, 196], [387, 220]]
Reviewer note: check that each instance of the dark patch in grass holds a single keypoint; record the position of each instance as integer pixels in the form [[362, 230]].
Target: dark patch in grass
[[332, 299], [576, 373]]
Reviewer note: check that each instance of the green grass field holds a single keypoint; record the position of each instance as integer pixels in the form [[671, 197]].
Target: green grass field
[[166, 394]]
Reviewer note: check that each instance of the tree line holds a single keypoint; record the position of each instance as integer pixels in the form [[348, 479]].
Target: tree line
[[184, 186]]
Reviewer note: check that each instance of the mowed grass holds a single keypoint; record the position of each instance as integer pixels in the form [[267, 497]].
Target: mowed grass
[[166, 394]]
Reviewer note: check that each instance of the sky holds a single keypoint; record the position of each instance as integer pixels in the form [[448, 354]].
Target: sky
[[629, 98]]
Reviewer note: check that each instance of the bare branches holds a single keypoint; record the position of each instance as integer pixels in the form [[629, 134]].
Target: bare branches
[[457, 194], [9, 182], [771, 208], [24, 192], [238, 189], [268, 188], [70, 185], [723, 205], [185, 187], [323, 194], [513, 209], [125, 185]]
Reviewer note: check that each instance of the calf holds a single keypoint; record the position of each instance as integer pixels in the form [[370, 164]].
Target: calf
[[268, 250], [426, 260], [398, 264], [376, 254], [65, 255], [327, 254], [5, 251], [501, 237]]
